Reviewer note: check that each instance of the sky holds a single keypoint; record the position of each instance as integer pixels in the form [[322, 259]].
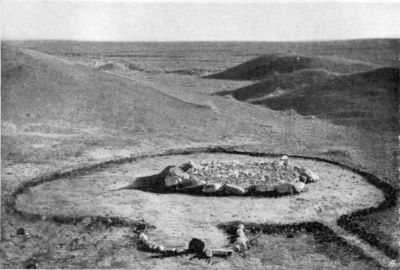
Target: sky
[[211, 21]]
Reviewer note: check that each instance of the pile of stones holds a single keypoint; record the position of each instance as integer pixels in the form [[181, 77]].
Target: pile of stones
[[234, 178]]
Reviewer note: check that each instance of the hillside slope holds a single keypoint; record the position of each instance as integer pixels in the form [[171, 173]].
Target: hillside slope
[[272, 64], [278, 83], [40, 87], [367, 99]]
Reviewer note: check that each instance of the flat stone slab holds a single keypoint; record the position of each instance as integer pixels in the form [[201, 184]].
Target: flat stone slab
[[181, 217]]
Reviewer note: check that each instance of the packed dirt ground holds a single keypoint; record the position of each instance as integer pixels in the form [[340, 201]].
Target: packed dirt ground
[[61, 111]]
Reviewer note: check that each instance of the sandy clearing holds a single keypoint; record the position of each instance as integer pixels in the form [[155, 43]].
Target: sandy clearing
[[180, 217]]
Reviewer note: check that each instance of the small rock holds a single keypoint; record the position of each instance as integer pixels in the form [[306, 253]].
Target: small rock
[[143, 238], [184, 176], [241, 240], [235, 173], [31, 264], [86, 221], [203, 163], [299, 186], [21, 232], [180, 250], [240, 233], [208, 253], [170, 251], [303, 178], [285, 160], [187, 165], [171, 181], [308, 174], [160, 248], [312, 177], [236, 248], [246, 172], [222, 252], [196, 246], [241, 243]]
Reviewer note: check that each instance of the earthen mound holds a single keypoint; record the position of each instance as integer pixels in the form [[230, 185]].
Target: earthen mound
[[281, 82], [272, 64], [367, 99]]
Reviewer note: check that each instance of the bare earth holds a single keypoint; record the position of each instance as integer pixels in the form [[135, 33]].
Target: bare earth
[[62, 112], [180, 217]]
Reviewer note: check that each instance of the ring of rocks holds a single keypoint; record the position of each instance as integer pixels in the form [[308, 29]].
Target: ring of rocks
[[229, 178], [347, 222]]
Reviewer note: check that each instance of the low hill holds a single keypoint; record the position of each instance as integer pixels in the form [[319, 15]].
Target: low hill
[[37, 87], [40, 89], [367, 99], [272, 64], [278, 84]]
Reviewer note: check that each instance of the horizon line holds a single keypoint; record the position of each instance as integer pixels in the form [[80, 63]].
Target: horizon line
[[182, 41]]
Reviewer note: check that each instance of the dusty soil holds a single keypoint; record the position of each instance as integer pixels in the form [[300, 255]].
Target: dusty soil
[[60, 114], [73, 246], [180, 217]]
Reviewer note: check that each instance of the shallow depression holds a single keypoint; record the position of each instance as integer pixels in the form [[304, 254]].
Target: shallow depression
[[180, 217]]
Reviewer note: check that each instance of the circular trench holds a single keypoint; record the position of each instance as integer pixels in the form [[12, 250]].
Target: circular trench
[[179, 217]]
